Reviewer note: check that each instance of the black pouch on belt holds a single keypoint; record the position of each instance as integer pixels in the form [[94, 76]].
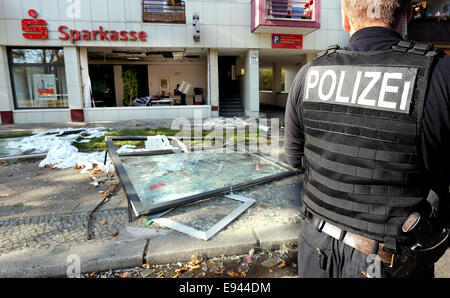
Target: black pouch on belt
[[431, 244]]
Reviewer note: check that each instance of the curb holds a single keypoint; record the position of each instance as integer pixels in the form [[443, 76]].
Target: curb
[[120, 254], [22, 157], [98, 256]]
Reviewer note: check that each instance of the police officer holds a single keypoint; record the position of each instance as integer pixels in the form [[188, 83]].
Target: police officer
[[370, 124]]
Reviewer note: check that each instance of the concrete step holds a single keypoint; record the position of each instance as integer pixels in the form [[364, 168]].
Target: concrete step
[[231, 105]]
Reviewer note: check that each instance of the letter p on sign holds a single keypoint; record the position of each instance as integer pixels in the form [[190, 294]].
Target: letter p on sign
[[276, 39]]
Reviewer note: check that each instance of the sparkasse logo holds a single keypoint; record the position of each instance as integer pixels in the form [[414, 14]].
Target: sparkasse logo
[[34, 28]]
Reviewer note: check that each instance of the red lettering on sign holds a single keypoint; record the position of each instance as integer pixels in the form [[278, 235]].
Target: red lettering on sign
[[34, 29], [123, 35], [37, 29], [86, 35], [64, 36], [133, 36], [74, 35], [142, 36], [287, 41], [46, 92], [103, 34], [94, 34], [114, 35]]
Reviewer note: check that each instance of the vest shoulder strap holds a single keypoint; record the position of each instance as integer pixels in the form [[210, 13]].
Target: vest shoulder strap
[[423, 49], [331, 49]]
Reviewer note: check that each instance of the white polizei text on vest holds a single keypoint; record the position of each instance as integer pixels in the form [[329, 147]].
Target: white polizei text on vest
[[363, 84]]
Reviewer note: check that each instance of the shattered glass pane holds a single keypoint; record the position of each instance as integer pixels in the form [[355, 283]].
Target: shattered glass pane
[[163, 178], [205, 214]]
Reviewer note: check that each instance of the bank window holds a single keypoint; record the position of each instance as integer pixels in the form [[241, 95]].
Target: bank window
[[38, 78]]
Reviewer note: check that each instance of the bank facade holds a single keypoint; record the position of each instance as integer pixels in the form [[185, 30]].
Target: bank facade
[[89, 60]]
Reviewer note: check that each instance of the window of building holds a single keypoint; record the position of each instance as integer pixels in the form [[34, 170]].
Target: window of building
[[38, 78], [265, 79]]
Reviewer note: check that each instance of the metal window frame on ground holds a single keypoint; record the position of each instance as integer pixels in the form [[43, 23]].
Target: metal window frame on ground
[[135, 206]]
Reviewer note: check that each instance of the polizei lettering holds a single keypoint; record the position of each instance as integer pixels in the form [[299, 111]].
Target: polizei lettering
[[380, 88]]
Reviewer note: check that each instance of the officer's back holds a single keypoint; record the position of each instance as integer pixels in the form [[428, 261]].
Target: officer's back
[[372, 127]]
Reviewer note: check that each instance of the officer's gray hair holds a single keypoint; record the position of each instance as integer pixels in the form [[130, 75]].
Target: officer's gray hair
[[388, 12]]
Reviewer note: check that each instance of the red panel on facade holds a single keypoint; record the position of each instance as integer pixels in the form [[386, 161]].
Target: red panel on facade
[[77, 115], [7, 117], [287, 41]]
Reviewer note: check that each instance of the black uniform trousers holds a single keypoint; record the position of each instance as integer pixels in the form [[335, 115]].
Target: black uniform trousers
[[321, 256]]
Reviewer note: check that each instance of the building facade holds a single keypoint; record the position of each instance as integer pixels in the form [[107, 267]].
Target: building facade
[[87, 60]]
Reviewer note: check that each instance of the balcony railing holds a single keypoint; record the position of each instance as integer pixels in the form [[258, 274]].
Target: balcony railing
[[290, 10], [285, 16], [164, 11]]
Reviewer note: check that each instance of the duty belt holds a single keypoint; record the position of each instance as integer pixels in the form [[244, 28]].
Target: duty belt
[[360, 243]]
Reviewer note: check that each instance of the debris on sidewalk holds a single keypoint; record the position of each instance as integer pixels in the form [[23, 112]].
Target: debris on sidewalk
[[61, 154], [235, 122], [201, 266]]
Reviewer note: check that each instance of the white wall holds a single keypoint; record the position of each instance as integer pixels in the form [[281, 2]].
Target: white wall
[[194, 74], [224, 24]]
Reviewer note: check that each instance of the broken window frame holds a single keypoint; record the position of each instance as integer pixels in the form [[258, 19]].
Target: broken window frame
[[215, 229], [136, 208]]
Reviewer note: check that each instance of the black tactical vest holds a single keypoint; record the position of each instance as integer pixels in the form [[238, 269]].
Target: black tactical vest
[[362, 114]]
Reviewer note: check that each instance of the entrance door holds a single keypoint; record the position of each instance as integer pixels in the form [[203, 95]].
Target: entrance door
[[228, 84], [142, 77], [102, 81], [230, 103]]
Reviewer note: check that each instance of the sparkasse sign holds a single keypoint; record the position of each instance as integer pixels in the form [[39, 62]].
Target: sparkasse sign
[[37, 29], [112, 35]]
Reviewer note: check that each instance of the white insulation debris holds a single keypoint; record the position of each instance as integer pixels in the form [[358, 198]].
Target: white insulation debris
[[62, 154]]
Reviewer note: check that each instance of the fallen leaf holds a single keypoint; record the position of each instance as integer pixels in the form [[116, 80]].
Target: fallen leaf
[[243, 274], [239, 270], [93, 273], [10, 175], [182, 269], [38, 174], [220, 272], [123, 274], [204, 274], [116, 234], [270, 270], [5, 164], [194, 267], [177, 274], [160, 276], [198, 262], [103, 276], [103, 222], [146, 266], [282, 265]]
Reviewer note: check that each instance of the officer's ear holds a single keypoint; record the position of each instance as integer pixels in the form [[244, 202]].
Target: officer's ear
[[345, 22]]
